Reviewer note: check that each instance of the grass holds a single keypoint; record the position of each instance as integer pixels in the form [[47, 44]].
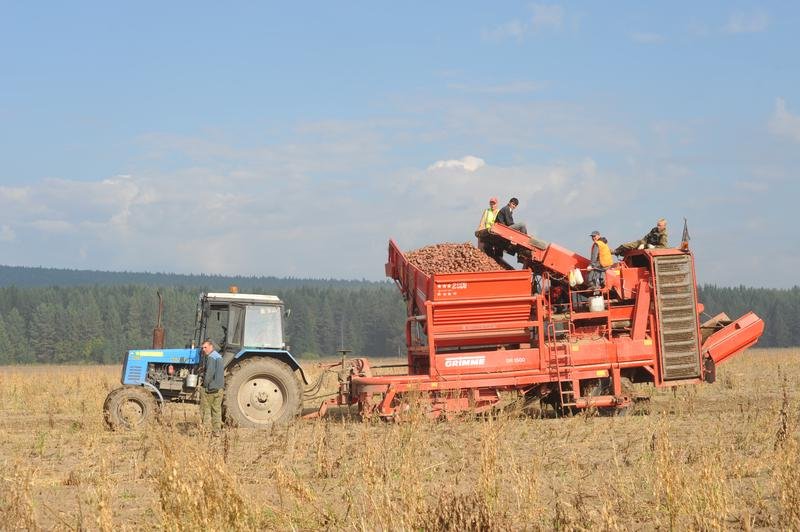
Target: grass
[[707, 457]]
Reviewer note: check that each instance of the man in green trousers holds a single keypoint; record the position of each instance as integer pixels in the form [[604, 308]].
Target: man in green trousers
[[212, 389]]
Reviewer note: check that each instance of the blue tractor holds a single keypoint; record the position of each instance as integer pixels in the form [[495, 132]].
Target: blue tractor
[[263, 381]]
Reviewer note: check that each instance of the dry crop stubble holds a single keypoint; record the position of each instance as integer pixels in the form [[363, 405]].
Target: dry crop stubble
[[722, 456]]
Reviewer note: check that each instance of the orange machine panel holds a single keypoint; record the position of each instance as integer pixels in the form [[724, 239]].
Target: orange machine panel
[[479, 285], [480, 308]]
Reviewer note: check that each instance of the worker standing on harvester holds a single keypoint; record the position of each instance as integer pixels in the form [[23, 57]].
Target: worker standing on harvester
[[212, 389], [506, 217], [600, 261], [656, 238]]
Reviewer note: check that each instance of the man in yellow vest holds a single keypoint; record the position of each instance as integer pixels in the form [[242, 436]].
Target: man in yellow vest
[[599, 262], [489, 215], [487, 221]]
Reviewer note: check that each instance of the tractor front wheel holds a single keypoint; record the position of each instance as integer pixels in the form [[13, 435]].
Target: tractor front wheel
[[129, 408], [261, 392]]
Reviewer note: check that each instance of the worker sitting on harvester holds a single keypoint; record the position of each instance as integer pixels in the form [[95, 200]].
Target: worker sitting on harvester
[[601, 259], [488, 217], [656, 238], [506, 217]]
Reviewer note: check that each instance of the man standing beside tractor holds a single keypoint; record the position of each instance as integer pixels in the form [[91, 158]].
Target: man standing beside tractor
[[212, 389]]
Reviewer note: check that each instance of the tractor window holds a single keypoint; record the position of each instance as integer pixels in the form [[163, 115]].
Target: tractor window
[[217, 324], [262, 326], [235, 326]]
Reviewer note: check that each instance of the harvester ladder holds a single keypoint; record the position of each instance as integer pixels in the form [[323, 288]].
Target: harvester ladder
[[567, 395], [578, 311], [559, 351]]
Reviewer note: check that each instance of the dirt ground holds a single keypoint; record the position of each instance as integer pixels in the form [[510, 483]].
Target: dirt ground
[[720, 456]]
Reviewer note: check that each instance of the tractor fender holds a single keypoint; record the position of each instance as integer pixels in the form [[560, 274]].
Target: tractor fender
[[155, 392], [279, 354]]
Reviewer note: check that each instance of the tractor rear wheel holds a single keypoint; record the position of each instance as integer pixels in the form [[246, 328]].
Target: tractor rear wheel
[[129, 408], [261, 392]]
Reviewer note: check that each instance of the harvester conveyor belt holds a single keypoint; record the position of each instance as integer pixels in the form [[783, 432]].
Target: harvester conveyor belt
[[551, 257]]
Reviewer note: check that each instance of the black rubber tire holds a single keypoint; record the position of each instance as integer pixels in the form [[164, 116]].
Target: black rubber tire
[[129, 408], [261, 392]]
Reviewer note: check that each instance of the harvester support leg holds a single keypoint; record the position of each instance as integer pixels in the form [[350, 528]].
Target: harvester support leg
[[385, 408], [616, 381]]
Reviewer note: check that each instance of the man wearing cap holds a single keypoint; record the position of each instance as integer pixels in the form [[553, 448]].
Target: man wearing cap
[[486, 223], [489, 215], [599, 262], [506, 217]]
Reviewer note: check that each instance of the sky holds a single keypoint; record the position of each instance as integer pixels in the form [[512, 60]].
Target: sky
[[295, 139]]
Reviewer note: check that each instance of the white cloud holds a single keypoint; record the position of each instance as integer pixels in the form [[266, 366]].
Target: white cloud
[[783, 123], [698, 28], [7, 234], [143, 221], [547, 17], [324, 200], [647, 37], [558, 201], [538, 124], [752, 186], [514, 87], [468, 163], [161, 221], [269, 209], [747, 22], [14, 193], [514, 30], [53, 226], [756, 224]]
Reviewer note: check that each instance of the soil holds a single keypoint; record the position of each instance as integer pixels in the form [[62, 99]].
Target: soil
[[697, 457]]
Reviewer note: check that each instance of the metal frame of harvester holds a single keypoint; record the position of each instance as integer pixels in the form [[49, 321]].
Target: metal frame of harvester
[[472, 336]]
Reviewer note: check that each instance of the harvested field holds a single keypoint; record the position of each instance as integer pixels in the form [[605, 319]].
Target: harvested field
[[721, 456], [451, 258]]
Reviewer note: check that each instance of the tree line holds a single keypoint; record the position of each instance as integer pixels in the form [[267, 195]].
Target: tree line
[[779, 308], [27, 277], [97, 323]]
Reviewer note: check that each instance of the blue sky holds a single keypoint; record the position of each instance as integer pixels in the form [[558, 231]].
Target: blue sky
[[295, 140]]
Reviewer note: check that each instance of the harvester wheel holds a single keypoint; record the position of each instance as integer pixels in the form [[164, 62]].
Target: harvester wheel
[[129, 408], [261, 392], [610, 411]]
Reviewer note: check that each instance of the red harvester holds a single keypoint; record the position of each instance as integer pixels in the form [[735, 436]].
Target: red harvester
[[471, 336]]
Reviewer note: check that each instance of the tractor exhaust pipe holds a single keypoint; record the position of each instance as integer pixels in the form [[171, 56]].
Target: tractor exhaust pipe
[[158, 331]]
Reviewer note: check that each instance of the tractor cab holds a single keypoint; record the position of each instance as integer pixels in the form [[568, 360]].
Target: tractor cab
[[238, 322]]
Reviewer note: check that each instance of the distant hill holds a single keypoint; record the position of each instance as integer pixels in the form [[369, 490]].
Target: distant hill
[[29, 277]]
